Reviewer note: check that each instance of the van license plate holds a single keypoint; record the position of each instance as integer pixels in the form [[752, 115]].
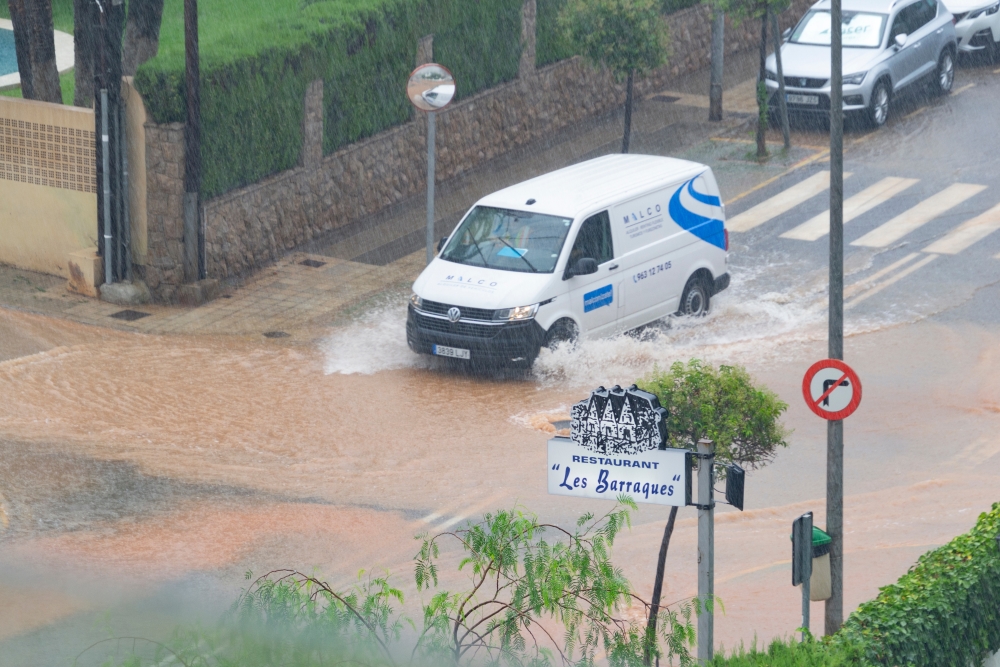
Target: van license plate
[[453, 352], [802, 99]]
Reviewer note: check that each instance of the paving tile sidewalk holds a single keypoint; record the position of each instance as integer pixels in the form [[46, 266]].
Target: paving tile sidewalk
[[314, 286]]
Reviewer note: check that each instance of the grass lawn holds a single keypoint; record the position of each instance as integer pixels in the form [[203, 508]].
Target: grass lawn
[[66, 81], [62, 14]]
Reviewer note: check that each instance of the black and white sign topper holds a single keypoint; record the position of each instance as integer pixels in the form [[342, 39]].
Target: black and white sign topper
[[617, 445], [619, 421]]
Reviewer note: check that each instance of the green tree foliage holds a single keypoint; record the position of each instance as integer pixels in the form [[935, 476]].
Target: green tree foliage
[[724, 405], [528, 601], [517, 578], [628, 37]]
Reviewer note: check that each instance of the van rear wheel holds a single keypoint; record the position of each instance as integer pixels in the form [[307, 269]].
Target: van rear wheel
[[696, 298]]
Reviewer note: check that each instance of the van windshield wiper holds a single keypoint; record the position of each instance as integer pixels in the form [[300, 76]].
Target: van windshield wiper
[[516, 252]]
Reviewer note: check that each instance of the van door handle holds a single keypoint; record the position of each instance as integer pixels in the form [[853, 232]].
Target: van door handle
[[612, 267]]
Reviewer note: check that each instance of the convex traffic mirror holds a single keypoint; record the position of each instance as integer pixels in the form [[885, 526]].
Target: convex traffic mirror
[[431, 87]]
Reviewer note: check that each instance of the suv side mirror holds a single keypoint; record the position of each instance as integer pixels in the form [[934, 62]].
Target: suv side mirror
[[444, 239], [900, 40], [785, 35], [584, 267]]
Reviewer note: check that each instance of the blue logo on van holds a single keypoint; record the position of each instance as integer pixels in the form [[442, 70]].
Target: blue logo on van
[[599, 297], [709, 230]]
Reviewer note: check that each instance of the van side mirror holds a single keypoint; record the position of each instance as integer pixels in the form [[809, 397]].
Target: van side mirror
[[900, 40], [444, 239], [583, 267], [785, 35]]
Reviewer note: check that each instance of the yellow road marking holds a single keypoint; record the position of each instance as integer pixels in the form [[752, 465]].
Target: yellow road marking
[[970, 232], [797, 165], [781, 203], [892, 281], [867, 282], [963, 88]]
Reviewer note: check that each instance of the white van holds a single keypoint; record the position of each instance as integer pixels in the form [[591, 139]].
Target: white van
[[600, 247]]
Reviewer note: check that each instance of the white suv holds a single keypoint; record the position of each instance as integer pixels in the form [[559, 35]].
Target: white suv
[[977, 26], [888, 46]]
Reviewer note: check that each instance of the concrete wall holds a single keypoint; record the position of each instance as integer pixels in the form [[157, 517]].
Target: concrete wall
[[47, 184], [252, 226]]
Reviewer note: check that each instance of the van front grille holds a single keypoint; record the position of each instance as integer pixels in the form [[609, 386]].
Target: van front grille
[[438, 308], [457, 328]]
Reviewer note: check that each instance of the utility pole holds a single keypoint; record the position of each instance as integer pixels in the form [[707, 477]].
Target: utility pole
[[431, 140], [835, 429], [706, 550], [718, 55], [194, 268]]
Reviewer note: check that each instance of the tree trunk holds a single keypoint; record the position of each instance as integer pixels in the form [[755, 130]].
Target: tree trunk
[[782, 103], [19, 18], [39, 76], [628, 113], [83, 52], [654, 608], [142, 34], [761, 95]]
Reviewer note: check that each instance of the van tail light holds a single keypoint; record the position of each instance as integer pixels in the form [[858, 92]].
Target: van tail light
[[726, 233]]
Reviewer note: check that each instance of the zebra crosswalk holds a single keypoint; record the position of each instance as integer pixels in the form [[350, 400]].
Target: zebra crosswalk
[[946, 206]]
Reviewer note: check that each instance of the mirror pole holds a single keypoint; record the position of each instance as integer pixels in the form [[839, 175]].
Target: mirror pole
[[430, 186]]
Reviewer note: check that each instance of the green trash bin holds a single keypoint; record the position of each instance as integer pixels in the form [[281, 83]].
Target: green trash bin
[[819, 583]]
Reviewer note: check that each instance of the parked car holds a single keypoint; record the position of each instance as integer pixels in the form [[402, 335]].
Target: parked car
[[977, 26], [603, 246], [889, 45]]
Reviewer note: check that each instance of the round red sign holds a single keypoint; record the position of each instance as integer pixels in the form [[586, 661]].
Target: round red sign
[[832, 389]]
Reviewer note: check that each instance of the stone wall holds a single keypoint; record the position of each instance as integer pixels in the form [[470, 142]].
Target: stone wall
[[255, 225], [164, 269]]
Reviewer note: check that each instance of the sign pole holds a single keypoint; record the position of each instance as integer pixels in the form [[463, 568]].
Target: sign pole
[[706, 550], [834, 615], [430, 185]]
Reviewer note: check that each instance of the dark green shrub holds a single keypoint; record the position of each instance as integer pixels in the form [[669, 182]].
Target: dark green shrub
[[258, 56], [945, 611], [551, 42]]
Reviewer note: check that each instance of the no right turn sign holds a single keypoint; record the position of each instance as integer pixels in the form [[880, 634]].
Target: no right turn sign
[[832, 389]]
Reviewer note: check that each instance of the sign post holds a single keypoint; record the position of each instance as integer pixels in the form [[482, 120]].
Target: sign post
[[802, 533], [832, 390], [618, 445], [430, 88]]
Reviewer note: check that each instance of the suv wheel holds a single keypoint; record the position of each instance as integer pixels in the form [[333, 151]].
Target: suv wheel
[[696, 298], [878, 106], [945, 73]]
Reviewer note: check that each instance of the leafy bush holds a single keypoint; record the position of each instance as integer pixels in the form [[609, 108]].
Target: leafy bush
[[258, 57], [788, 653], [551, 42], [723, 405], [945, 611]]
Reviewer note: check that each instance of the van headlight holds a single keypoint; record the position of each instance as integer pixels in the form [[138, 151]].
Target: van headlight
[[416, 301], [992, 9], [855, 79], [519, 313]]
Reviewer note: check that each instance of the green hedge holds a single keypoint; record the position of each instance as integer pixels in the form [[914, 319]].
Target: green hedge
[[944, 611], [258, 56]]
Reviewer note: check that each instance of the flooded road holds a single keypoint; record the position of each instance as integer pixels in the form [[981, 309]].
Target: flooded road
[[141, 475]]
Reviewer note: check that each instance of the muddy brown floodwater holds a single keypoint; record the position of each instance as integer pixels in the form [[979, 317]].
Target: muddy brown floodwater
[[157, 459]]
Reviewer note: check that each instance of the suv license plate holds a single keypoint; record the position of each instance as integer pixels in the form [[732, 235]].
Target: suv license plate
[[802, 99], [453, 352]]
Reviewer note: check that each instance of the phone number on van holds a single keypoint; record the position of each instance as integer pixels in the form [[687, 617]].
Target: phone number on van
[[650, 272]]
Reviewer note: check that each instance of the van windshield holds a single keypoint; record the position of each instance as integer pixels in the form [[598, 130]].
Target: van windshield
[[498, 238]]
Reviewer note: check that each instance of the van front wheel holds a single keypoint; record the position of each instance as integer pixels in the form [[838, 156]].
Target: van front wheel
[[563, 331], [696, 298]]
